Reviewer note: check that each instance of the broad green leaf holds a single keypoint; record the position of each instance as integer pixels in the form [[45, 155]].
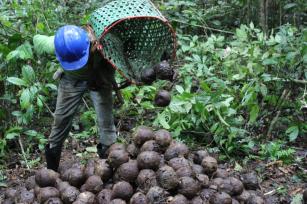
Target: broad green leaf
[[28, 73], [91, 149], [253, 114], [179, 89], [217, 112], [31, 133], [241, 34], [40, 26], [43, 44], [263, 90], [25, 99], [17, 81], [13, 54], [269, 61], [251, 25], [23, 52], [238, 167], [297, 199], [162, 121], [290, 5], [4, 185], [216, 22], [54, 87], [292, 133], [11, 135], [39, 102]]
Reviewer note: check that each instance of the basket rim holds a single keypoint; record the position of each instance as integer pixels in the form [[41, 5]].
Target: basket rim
[[112, 25]]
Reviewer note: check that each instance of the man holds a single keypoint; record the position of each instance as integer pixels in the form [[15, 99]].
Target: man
[[84, 69]]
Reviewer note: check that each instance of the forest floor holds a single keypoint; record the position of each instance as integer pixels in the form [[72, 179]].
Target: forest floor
[[279, 182]]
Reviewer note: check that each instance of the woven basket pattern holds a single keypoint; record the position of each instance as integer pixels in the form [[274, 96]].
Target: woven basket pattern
[[134, 35]]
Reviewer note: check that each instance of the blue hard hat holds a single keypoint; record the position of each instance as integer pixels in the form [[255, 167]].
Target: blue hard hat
[[72, 47]]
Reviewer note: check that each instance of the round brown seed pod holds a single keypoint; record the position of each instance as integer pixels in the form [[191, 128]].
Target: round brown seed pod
[[46, 193], [146, 179], [93, 184], [220, 173], [138, 198], [255, 200], [104, 196], [30, 183], [26, 196], [178, 199], [68, 193], [10, 193], [221, 198], [61, 185], [157, 194], [209, 164], [149, 160], [163, 138], [198, 169], [207, 193], [117, 158], [8, 201], [197, 200], [164, 71], [203, 179], [150, 145], [116, 146], [217, 181], [148, 76], [185, 171], [89, 169], [122, 190], [162, 98], [128, 171], [167, 178], [243, 197], [65, 165], [103, 169], [234, 201], [231, 186], [132, 150], [75, 176], [54, 200], [176, 150], [188, 187], [85, 198], [118, 201], [46, 177], [142, 134], [199, 156], [250, 181], [178, 162], [36, 190]]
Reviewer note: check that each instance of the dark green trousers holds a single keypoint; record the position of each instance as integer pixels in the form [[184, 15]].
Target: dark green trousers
[[70, 92]]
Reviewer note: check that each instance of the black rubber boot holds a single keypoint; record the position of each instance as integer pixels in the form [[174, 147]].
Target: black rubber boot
[[53, 157], [101, 150]]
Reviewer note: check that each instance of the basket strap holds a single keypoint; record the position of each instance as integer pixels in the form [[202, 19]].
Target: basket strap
[[94, 42]]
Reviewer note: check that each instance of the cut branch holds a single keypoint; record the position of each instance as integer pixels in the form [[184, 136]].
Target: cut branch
[[205, 27]]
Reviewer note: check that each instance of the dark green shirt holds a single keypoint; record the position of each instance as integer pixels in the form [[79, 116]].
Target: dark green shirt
[[98, 71]]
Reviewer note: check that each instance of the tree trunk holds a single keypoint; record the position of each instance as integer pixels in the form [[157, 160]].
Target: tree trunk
[[264, 15]]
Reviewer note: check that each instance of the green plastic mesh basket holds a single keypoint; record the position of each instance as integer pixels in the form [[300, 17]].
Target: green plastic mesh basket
[[134, 36]]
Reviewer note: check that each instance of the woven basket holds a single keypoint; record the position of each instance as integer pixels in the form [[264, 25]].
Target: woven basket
[[134, 36]]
